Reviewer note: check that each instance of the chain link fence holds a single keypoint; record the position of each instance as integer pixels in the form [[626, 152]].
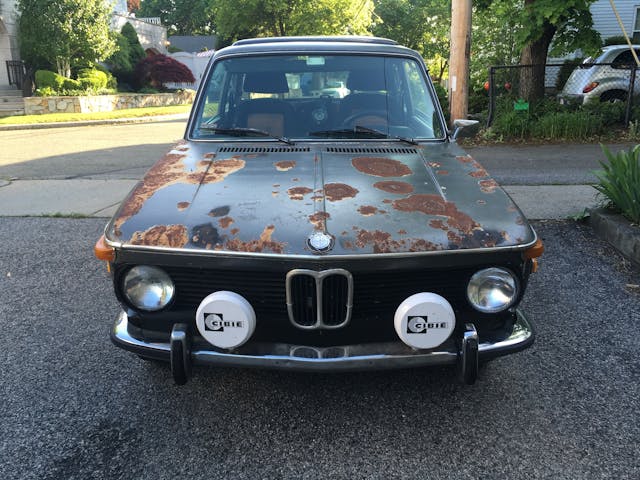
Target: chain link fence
[[574, 86]]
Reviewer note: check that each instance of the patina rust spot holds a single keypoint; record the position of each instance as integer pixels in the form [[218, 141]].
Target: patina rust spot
[[285, 166], [434, 165], [276, 185], [219, 211], [204, 163], [225, 222], [348, 244], [170, 170], [481, 202], [318, 220], [477, 239], [442, 172], [274, 193], [367, 210], [173, 236], [438, 224], [295, 179], [479, 174], [265, 236], [339, 191], [209, 156], [382, 242], [205, 236], [298, 193], [381, 167], [402, 232], [387, 201], [465, 158], [235, 231], [435, 205], [488, 186], [519, 220], [264, 244], [183, 205], [390, 186]]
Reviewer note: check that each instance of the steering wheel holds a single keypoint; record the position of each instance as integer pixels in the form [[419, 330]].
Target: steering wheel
[[370, 118]]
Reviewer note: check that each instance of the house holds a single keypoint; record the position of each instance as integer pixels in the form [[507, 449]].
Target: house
[[605, 22], [152, 35], [9, 51]]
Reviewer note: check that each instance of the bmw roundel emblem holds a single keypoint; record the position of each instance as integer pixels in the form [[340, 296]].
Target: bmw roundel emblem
[[320, 242]]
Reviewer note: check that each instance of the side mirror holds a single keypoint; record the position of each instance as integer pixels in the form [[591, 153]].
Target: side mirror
[[464, 128]]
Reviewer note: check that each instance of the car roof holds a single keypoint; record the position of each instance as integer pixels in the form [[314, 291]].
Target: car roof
[[320, 45]]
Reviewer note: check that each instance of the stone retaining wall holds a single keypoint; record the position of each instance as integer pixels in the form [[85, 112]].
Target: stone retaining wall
[[105, 103]]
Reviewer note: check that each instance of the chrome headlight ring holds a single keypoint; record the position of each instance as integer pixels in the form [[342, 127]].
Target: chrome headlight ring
[[493, 290], [148, 288]]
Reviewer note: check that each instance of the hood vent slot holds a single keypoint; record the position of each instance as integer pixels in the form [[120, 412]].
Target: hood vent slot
[[409, 151], [264, 149]]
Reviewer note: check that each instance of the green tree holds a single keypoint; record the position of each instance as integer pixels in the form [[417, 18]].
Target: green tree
[[128, 53], [422, 25], [64, 33], [545, 26], [262, 18], [182, 17]]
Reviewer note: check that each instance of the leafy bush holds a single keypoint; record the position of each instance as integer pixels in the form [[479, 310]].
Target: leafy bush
[[619, 181], [567, 125], [50, 80], [93, 79], [617, 40], [158, 69]]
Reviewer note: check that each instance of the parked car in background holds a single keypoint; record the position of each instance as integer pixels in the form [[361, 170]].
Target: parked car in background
[[605, 78], [336, 232]]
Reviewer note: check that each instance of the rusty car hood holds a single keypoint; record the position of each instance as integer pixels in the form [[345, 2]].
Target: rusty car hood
[[269, 199]]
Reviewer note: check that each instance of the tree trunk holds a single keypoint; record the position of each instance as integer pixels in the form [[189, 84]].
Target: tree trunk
[[63, 65], [535, 54]]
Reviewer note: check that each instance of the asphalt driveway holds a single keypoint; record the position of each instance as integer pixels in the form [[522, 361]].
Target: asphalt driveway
[[75, 407]]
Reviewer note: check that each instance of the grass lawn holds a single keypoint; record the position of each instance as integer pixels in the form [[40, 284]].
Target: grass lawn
[[80, 117]]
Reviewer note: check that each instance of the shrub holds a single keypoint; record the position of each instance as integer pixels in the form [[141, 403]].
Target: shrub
[[617, 40], [159, 69], [93, 79], [619, 181], [567, 125], [49, 80]]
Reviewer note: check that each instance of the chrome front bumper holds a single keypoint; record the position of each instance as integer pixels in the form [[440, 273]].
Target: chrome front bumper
[[297, 357]]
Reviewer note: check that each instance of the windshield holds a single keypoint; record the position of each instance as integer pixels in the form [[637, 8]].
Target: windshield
[[317, 97]]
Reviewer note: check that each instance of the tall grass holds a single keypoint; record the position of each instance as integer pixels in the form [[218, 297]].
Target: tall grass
[[619, 181]]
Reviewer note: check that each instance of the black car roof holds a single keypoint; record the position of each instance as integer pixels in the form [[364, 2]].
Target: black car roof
[[326, 45]]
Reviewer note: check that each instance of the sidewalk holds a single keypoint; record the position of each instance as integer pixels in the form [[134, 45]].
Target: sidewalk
[[100, 198]]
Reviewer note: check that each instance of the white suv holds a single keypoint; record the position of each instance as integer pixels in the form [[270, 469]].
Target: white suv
[[605, 77]]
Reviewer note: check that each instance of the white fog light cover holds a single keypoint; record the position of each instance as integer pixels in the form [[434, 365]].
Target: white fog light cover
[[225, 319], [492, 290], [424, 320], [148, 288]]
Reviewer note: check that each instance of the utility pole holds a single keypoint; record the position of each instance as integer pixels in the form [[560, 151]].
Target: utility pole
[[459, 58]]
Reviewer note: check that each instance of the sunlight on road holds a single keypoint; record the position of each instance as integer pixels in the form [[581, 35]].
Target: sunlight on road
[[27, 145]]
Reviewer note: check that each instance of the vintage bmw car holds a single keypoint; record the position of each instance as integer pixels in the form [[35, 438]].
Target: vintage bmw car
[[301, 229]]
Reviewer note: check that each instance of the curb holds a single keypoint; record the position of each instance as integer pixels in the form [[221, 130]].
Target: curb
[[114, 121], [617, 231]]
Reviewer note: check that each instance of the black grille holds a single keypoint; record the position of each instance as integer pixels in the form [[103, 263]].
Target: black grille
[[304, 304], [264, 149], [376, 296], [371, 150], [303, 291]]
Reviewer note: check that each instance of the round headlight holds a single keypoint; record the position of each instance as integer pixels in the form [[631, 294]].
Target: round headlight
[[492, 290], [148, 288]]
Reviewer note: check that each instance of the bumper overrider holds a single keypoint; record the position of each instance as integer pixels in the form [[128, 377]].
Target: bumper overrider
[[183, 349]]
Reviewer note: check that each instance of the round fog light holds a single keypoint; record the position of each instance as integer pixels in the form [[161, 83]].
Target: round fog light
[[492, 290], [148, 288]]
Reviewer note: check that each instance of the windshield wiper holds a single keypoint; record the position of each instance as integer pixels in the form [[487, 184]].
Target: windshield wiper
[[244, 132], [359, 130]]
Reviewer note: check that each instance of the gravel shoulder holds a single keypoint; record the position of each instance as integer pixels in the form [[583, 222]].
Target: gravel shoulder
[[75, 407]]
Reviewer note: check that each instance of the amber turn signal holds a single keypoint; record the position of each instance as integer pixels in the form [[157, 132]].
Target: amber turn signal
[[103, 251], [535, 251]]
